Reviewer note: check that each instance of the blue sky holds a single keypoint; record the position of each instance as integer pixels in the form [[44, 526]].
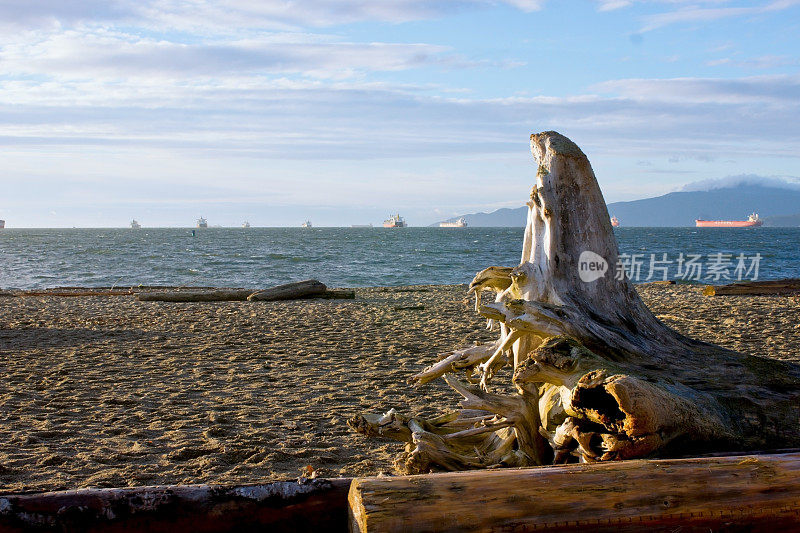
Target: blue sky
[[342, 111]]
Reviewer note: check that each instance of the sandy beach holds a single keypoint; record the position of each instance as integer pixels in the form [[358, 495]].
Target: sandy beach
[[108, 391]]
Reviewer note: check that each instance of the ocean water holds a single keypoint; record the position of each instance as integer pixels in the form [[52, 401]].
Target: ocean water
[[355, 257]]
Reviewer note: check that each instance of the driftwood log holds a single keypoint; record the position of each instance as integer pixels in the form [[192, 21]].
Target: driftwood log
[[595, 376], [283, 506], [290, 291], [216, 295], [780, 287], [309, 288], [755, 493]]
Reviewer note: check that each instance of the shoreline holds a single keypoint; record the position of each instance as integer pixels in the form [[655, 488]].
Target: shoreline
[[109, 391]]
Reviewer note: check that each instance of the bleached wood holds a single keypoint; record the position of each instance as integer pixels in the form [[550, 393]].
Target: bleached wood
[[741, 493], [597, 376], [782, 287]]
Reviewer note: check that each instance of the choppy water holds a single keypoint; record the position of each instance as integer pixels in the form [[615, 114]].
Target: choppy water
[[342, 257]]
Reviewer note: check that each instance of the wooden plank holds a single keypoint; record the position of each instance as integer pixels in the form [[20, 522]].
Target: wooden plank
[[221, 295], [746, 493], [782, 287], [290, 291], [286, 506]]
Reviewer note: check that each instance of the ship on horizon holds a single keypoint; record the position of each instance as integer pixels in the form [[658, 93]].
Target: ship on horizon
[[460, 223], [306, 224], [395, 221], [751, 222], [2, 224], [246, 224], [202, 223], [135, 225]]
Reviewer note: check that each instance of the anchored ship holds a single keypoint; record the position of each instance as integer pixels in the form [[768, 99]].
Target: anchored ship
[[751, 222], [394, 221], [460, 223], [306, 224], [202, 223], [135, 225]]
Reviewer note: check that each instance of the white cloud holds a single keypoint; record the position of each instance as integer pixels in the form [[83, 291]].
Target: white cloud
[[694, 13], [781, 182], [217, 16], [105, 54], [761, 91]]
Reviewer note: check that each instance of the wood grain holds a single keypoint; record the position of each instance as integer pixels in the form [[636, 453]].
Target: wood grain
[[738, 493]]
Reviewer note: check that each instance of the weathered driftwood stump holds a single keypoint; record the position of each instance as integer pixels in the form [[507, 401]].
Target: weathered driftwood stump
[[595, 375]]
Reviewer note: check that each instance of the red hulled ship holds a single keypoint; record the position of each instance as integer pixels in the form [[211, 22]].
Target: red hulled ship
[[751, 222]]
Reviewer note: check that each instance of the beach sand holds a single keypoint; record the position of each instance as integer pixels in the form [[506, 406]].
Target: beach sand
[[109, 391]]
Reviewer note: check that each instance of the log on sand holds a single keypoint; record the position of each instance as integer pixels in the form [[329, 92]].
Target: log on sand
[[781, 287], [290, 291], [595, 375], [219, 295], [754, 493], [285, 506]]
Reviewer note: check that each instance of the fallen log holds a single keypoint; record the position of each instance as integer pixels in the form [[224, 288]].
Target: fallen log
[[285, 506], [751, 493], [338, 294], [595, 375], [781, 287], [219, 295], [76, 293], [290, 291]]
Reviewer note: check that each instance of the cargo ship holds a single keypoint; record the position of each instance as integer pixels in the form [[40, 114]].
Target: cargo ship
[[751, 222], [615, 222], [202, 223], [460, 223], [135, 225], [394, 221]]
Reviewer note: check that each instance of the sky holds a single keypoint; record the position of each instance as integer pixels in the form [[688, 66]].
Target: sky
[[342, 111]]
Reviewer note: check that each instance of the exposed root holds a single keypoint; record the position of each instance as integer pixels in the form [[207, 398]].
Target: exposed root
[[597, 376]]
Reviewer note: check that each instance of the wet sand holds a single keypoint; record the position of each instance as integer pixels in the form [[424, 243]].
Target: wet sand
[[108, 391]]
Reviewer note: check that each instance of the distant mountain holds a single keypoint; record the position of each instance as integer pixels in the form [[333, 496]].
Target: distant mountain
[[730, 203], [505, 218], [778, 206], [786, 221]]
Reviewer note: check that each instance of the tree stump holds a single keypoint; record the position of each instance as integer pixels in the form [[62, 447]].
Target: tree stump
[[596, 376]]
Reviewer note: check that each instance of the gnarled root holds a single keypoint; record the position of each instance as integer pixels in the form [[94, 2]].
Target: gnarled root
[[597, 376]]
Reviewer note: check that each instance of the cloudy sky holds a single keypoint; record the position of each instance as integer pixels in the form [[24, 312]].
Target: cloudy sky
[[343, 110]]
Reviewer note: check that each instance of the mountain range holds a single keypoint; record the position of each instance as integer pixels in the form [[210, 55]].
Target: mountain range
[[776, 206]]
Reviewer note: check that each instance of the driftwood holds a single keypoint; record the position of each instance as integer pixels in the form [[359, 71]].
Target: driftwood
[[751, 493], [756, 493], [595, 375], [290, 291], [338, 294], [219, 295], [781, 287], [286, 506]]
